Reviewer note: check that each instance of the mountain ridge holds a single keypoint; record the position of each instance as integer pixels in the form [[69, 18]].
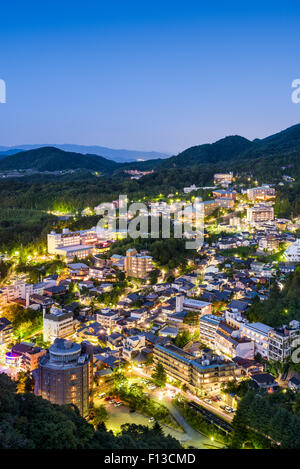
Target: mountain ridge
[[228, 150], [119, 155]]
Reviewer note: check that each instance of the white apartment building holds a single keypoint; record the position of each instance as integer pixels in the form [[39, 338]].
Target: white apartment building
[[292, 253], [57, 324], [20, 289], [133, 345], [190, 305], [191, 188], [282, 341], [258, 333], [208, 326], [107, 318], [69, 244]]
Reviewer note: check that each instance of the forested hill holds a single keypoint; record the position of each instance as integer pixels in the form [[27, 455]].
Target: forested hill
[[53, 159], [30, 422], [233, 152], [237, 148]]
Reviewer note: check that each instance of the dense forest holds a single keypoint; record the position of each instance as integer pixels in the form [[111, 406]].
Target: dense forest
[[264, 421]]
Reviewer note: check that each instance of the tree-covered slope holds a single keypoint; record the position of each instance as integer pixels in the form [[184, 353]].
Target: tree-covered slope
[[53, 159], [30, 422], [234, 149]]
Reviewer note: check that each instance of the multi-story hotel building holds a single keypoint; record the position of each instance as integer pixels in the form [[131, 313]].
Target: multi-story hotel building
[[209, 374], [258, 333], [65, 375], [69, 244], [205, 374], [229, 342], [29, 355], [269, 242], [208, 326], [137, 265], [292, 254], [176, 362], [282, 341], [224, 194], [260, 213], [261, 193], [223, 178], [20, 289]]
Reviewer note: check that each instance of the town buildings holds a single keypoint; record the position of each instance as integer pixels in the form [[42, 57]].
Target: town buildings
[[26, 356], [190, 305]]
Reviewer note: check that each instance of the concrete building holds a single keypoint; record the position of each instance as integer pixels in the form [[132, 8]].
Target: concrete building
[[282, 341], [190, 305], [269, 242], [65, 375], [208, 326], [224, 194], [137, 265], [191, 188], [205, 374], [261, 193], [29, 355], [69, 244], [132, 346], [260, 213], [20, 289], [57, 324], [292, 253], [258, 333], [5, 332], [230, 342], [225, 203], [107, 318], [223, 178]]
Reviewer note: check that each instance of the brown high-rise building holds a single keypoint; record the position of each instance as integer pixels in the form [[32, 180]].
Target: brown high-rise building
[[137, 265], [65, 375]]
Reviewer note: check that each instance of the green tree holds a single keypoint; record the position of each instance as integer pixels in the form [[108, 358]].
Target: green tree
[[159, 375]]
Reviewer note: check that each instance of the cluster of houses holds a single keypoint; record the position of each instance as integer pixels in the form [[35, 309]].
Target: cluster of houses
[[211, 299]]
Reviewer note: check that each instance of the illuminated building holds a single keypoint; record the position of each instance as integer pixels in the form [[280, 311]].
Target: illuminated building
[[260, 213], [204, 374], [57, 323], [261, 193], [137, 265], [65, 375]]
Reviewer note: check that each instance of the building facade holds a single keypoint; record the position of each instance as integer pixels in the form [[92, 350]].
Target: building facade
[[65, 375], [137, 265], [201, 375], [57, 324]]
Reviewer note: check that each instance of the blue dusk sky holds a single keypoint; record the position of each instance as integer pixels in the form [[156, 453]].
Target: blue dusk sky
[[147, 75]]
